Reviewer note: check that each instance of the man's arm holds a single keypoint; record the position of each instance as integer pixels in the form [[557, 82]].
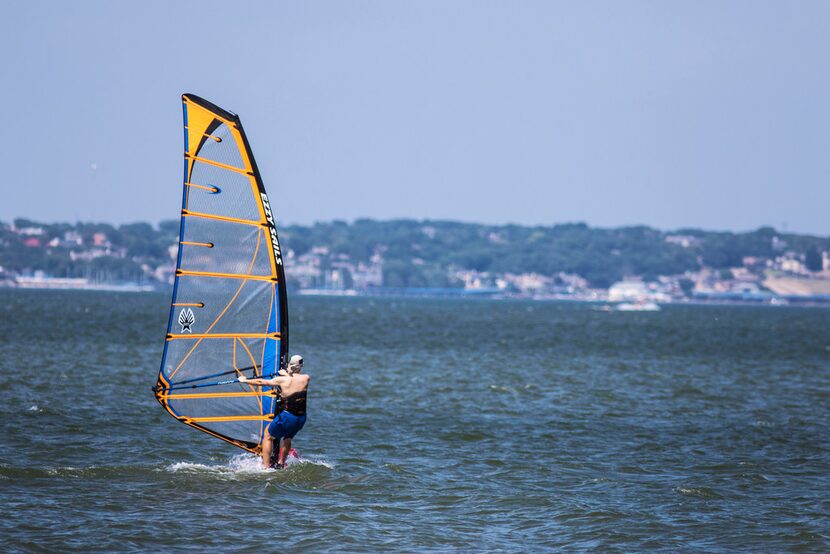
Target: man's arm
[[259, 382]]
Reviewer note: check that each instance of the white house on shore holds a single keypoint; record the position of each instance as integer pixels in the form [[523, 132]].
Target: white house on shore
[[635, 291]]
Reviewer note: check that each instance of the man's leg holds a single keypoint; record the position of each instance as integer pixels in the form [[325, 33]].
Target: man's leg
[[285, 448], [267, 445]]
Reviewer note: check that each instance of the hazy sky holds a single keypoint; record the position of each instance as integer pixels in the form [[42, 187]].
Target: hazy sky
[[671, 114]]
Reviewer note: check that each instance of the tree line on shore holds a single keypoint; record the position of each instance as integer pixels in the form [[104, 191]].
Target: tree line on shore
[[415, 253]]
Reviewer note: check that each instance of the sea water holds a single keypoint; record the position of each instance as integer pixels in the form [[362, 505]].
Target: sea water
[[434, 425]]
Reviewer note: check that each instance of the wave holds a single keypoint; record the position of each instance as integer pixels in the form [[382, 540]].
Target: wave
[[235, 467], [246, 464]]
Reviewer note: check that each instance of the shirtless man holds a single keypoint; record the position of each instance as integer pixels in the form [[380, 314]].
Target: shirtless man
[[287, 423]]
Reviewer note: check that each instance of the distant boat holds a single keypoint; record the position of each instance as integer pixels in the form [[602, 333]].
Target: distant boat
[[328, 292], [641, 306]]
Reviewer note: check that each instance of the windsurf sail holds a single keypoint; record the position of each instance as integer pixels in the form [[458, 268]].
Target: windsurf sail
[[229, 312]]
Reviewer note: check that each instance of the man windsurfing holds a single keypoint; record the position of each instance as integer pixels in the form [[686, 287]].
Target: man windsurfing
[[290, 416]]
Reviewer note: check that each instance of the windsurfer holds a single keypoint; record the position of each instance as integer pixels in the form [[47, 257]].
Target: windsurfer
[[290, 416]]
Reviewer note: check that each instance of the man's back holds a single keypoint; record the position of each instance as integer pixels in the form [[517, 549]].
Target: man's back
[[292, 384]]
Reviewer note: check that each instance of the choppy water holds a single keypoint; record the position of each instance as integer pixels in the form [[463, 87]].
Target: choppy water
[[433, 425]]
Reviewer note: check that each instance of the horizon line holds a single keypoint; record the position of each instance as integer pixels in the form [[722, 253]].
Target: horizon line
[[156, 224]]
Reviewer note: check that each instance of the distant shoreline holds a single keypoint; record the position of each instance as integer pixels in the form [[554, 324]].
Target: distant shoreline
[[571, 262], [463, 294]]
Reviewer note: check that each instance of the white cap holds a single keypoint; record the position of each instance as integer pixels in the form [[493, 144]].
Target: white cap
[[296, 359]]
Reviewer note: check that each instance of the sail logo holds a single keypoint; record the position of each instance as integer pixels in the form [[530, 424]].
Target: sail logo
[[272, 226], [187, 319]]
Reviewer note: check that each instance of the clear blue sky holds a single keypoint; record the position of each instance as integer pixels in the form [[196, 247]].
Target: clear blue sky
[[671, 114]]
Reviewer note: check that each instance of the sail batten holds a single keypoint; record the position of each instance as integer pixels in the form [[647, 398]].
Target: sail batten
[[223, 336], [245, 276], [228, 313], [221, 218]]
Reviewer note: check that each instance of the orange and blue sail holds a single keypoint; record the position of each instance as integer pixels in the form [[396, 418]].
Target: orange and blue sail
[[229, 312]]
